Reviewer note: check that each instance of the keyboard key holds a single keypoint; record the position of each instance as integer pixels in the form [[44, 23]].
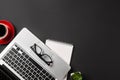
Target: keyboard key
[[21, 57], [18, 58], [6, 57], [27, 71], [34, 73], [26, 56], [30, 74], [11, 53], [29, 78], [15, 56], [44, 71], [40, 78], [21, 70], [20, 52], [13, 59], [12, 63], [35, 69], [8, 54], [47, 78], [27, 61], [26, 65], [21, 67], [33, 66], [29, 68], [35, 79], [23, 63], [23, 73], [16, 62], [24, 59], [15, 65], [9, 61], [38, 71], [24, 69], [53, 79], [18, 68], [37, 75], [41, 73], [24, 53], [26, 75], [13, 50], [33, 76], [30, 64], [43, 76]]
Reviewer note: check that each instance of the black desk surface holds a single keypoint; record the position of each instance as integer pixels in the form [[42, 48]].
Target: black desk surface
[[92, 26]]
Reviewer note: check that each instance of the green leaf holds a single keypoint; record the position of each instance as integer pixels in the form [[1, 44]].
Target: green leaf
[[76, 76]]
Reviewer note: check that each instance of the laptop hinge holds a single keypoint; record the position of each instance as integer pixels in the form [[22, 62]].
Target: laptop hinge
[[10, 73]]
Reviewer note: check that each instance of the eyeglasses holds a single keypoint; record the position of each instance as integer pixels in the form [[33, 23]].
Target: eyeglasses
[[40, 52]]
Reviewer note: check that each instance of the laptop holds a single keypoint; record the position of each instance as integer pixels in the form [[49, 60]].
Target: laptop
[[29, 58]]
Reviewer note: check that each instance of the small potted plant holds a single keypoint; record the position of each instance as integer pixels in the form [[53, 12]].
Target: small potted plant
[[76, 76]]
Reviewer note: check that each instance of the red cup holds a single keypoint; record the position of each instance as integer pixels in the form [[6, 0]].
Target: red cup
[[7, 32]]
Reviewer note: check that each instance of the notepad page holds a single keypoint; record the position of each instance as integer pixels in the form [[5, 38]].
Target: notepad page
[[64, 50]]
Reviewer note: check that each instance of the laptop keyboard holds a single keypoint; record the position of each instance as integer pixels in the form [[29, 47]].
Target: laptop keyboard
[[25, 66]]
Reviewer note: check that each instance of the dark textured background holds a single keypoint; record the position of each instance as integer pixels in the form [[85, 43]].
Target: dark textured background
[[92, 26]]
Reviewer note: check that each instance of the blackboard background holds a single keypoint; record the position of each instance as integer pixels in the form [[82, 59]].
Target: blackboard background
[[92, 26]]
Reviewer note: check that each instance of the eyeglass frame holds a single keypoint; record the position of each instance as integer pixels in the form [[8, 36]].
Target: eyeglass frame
[[42, 53]]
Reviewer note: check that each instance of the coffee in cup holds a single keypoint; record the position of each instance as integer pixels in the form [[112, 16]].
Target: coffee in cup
[[6, 32], [3, 31]]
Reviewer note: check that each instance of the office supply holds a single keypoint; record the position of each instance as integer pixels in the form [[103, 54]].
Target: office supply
[[30, 59], [64, 50]]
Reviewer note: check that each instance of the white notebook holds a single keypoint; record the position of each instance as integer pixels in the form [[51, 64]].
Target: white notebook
[[64, 50]]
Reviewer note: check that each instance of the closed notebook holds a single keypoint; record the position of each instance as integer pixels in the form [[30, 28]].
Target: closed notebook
[[64, 50]]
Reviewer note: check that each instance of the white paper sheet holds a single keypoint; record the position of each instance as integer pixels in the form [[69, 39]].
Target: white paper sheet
[[64, 50]]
